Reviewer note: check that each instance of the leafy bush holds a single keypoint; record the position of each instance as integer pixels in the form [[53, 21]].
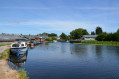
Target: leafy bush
[[101, 37], [54, 39], [58, 40], [108, 37], [50, 39]]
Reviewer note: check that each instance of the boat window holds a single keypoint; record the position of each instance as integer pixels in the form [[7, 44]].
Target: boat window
[[15, 45], [22, 44]]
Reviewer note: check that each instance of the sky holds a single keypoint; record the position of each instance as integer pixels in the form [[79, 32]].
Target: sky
[[57, 16]]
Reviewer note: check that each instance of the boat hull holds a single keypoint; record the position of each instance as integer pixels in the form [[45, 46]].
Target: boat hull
[[18, 51]]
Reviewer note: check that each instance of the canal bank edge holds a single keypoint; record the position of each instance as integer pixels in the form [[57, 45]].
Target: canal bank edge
[[6, 72], [96, 44]]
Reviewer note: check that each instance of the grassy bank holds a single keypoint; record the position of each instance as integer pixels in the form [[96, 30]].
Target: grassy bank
[[50, 40], [22, 74], [2, 44], [94, 42], [5, 54]]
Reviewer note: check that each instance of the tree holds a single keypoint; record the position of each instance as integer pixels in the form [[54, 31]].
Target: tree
[[92, 33], [116, 36], [63, 36], [99, 30], [44, 33], [68, 37], [118, 31], [101, 37], [109, 37], [85, 32], [52, 35], [78, 33]]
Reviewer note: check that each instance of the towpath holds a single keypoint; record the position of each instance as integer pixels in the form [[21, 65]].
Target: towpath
[[5, 71]]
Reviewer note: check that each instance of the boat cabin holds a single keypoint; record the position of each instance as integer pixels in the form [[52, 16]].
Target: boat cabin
[[19, 45]]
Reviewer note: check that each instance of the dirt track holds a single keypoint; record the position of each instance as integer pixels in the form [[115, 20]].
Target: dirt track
[[2, 48], [5, 71]]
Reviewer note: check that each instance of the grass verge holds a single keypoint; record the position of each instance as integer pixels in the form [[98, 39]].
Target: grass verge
[[5, 54], [48, 41], [22, 74], [2, 44], [94, 42]]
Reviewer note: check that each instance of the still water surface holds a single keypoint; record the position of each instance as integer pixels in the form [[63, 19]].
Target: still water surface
[[71, 61]]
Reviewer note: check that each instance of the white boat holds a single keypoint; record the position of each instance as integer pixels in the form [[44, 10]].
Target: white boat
[[54, 41], [18, 48]]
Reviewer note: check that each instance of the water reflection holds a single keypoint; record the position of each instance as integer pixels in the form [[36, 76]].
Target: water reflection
[[78, 50], [70, 61], [18, 61], [64, 47], [99, 51]]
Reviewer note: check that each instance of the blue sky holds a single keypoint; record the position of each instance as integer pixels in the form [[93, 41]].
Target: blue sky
[[37, 16]]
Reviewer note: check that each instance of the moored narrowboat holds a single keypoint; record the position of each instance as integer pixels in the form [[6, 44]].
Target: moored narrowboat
[[18, 48]]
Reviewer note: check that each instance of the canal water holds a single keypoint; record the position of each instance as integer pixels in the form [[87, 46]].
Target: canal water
[[69, 61]]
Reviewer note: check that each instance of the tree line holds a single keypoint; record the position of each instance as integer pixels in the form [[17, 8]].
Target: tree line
[[102, 36], [108, 36], [78, 33]]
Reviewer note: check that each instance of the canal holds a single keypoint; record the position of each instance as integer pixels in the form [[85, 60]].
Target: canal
[[70, 61]]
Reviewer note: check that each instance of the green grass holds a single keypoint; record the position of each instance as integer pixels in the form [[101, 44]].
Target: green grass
[[2, 44], [22, 74], [48, 41], [5, 54], [94, 42], [58, 40]]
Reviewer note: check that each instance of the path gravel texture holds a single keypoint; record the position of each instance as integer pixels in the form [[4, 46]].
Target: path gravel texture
[[5, 71]]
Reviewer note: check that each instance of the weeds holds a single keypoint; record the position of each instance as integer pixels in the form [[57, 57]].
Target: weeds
[[22, 74]]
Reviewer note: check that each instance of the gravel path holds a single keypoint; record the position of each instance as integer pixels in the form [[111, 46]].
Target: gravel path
[[5, 71], [2, 48]]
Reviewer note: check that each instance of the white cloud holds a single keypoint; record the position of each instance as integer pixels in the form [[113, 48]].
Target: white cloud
[[62, 7], [63, 26], [27, 8], [97, 8]]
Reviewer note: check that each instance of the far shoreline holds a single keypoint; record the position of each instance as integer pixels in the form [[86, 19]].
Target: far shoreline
[[95, 44]]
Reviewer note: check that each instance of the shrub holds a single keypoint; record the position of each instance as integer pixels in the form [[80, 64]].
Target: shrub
[[48, 39]]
